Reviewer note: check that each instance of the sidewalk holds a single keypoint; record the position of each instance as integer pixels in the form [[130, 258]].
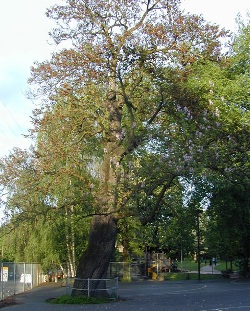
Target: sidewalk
[[209, 270], [36, 299]]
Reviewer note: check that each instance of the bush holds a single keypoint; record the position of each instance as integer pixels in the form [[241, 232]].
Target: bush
[[226, 273], [171, 276], [67, 299]]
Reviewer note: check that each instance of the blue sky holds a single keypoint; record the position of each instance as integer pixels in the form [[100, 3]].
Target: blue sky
[[24, 39]]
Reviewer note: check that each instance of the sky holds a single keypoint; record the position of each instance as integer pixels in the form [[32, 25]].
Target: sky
[[24, 39]]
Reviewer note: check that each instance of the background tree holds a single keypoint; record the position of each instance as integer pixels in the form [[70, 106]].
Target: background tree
[[230, 209], [35, 229], [230, 203]]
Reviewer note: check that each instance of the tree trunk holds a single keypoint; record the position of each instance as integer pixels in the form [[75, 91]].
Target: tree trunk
[[95, 260]]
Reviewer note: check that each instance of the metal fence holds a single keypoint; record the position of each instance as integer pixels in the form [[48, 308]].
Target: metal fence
[[19, 277], [97, 287], [151, 267], [127, 271]]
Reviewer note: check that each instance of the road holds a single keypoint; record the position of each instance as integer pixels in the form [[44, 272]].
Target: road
[[210, 295], [190, 295]]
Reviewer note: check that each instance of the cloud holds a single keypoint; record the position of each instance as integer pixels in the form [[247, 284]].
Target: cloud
[[9, 141], [221, 12], [24, 28], [23, 40], [14, 123]]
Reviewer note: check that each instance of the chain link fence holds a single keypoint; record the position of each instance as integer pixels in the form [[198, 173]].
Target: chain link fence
[[19, 277]]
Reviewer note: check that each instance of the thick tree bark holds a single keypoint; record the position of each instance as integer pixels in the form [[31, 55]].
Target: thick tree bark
[[94, 262]]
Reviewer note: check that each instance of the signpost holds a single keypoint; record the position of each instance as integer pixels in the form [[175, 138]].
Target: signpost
[[4, 278], [4, 274]]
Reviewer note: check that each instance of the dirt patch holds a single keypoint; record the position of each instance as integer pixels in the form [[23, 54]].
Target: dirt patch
[[7, 302]]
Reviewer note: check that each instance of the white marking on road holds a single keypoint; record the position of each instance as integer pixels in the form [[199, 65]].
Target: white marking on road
[[186, 290], [229, 308]]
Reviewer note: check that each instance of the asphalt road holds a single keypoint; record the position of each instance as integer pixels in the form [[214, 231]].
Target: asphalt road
[[211, 295]]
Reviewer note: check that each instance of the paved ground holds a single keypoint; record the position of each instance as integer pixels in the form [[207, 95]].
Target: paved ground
[[208, 270], [212, 295]]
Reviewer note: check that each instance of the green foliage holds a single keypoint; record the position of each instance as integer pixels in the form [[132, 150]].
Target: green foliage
[[222, 266], [230, 208], [240, 49], [66, 299], [189, 276], [190, 265]]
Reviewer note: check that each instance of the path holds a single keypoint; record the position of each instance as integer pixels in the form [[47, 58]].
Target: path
[[209, 270]]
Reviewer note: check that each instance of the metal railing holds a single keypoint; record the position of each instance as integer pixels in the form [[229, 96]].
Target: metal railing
[[97, 287], [19, 277]]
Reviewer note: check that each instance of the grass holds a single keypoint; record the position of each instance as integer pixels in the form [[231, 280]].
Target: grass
[[67, 299], [178, 276], [188, 265], [193, 265], [221, 266]]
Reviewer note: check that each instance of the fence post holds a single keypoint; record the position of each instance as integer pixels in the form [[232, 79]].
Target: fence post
[[1, 281], [117, 288], [14, 278], [66, 284], [31, 272], [88, 288], [24, 273]]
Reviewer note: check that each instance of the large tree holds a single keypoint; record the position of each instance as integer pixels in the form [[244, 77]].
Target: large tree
[[122, 116], [229, 223], [118, 93], [229, 226]]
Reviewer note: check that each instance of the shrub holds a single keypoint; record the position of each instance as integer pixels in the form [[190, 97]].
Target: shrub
[[67, 299]]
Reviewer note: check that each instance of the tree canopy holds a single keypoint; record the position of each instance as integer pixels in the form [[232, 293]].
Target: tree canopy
[[139, 96]]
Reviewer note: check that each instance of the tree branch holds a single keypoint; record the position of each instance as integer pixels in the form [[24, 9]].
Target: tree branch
[[156, 207]]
